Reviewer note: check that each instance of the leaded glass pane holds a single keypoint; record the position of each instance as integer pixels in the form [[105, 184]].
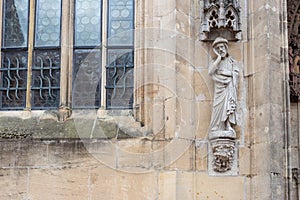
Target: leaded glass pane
[[119, 78], [121, 22], [48, 20], [87, 79], [13, 75], [88, 23], [15, 27], [45, 79]]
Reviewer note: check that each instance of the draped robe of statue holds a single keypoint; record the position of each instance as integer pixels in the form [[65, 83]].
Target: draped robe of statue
[[225, 95]]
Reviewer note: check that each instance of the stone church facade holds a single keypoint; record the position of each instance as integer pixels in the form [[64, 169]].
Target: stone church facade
[[127, 99]]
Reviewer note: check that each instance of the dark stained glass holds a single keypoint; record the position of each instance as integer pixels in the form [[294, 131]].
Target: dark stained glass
[[293, 9], [87, 79], [119, 78], [15, 26], [120, 62], [13, 80], [46, 79], [294, 36], [87, 61]]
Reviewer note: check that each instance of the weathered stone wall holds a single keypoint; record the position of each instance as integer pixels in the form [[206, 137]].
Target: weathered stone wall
[[65, 169], [163, 153]]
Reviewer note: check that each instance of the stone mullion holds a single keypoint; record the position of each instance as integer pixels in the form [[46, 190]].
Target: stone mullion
[[104, 53], [70, 51], [65, 35], [139, 60], [30, 52]]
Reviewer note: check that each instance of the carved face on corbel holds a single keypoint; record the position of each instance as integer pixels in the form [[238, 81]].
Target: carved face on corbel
[[223, 157]]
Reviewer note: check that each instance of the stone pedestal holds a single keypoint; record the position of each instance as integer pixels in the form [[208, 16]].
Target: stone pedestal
[[223, 151]]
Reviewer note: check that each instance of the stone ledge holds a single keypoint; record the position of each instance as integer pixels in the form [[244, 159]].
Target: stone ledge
[[46, 127], [222, 134]]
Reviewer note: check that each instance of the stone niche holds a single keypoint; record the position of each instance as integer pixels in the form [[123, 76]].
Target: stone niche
[[225, 72], [220, 18]]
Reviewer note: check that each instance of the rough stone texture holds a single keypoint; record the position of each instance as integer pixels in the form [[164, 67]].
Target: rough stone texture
[[186, 161], [218, 187], [244, 161], [66, 170], [13, 183], [201, 155], [58, 182], [106, 183]]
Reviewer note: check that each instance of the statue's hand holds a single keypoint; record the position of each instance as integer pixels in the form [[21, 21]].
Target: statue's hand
[[218, 54], [217, 61]]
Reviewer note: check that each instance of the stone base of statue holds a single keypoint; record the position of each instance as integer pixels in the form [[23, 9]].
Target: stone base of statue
[[223, 151]]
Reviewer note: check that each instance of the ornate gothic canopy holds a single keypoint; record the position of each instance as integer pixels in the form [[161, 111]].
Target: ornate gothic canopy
[[220, 18]]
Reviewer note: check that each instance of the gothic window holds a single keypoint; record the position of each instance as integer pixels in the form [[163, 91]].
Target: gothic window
[[45, 84], [87, 63], [30, 76], [76, 53], [14, 54], [103, 62]]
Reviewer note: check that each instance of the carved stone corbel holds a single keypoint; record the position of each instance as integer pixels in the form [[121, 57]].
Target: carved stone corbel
[[223, 156], [223, 153], [220, 18], [64, 113]]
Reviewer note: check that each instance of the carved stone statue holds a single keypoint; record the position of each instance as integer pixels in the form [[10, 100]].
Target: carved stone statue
[[224, 71]]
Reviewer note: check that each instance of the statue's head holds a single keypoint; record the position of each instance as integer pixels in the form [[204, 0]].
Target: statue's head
[[220, 46]]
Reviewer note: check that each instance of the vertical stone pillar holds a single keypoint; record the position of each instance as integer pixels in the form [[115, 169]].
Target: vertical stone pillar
[[64, 109], [266, 99]]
